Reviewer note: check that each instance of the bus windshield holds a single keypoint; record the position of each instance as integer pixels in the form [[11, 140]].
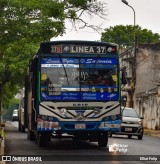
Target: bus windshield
[[85, 78]]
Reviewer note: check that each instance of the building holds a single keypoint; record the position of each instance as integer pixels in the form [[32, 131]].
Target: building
[[142, 91], [127, 64], [147, 90]]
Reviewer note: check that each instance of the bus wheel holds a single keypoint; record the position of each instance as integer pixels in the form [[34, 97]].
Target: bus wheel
[[110, 134], [41, 139], [129, 136], [31, 136], [103, 140], [23, 128], [19, 126]]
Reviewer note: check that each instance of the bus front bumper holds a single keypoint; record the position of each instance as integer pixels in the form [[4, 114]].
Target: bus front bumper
[[111, 126]]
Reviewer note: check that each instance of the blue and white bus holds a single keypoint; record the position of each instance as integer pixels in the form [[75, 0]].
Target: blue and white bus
[[73, 87]]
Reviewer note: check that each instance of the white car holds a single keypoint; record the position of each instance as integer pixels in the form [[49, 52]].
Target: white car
[[131, 124], [15, 115]]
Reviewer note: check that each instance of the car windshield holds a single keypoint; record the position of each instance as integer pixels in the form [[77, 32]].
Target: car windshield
[[129, 112]]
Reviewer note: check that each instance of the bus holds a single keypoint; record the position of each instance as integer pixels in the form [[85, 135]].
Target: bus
[[73, 88]]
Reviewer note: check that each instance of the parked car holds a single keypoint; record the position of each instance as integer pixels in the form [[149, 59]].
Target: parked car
[[15, 115], [131, 124]]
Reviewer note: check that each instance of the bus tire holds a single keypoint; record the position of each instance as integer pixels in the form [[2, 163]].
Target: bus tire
[[110, 134], [31, 136], [140, 137], [23, 128], [19, 126], [41, 140], [103, 140], [129, 136]]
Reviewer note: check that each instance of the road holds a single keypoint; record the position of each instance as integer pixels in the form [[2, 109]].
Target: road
[[82, 152]]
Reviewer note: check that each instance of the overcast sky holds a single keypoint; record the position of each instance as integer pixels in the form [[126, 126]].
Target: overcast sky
[[147, 16]]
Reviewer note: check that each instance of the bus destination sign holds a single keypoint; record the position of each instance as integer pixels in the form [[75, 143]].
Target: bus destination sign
[[78, 49]]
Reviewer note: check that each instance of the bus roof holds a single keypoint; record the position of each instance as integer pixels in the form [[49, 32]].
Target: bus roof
[[79, 42]]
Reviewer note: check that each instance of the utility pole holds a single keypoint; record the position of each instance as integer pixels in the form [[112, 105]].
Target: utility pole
[[132, 64]]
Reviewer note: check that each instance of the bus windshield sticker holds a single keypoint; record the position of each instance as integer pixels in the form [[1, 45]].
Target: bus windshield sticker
[[57, 62], [87, 81]]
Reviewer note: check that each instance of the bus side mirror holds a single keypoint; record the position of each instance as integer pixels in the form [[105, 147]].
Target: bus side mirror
[[30, 66]]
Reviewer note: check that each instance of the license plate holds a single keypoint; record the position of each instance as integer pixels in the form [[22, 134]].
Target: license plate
[[80, 126], [128, 129]]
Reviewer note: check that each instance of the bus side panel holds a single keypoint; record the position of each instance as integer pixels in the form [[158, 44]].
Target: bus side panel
[[25, 101], [32, 95]]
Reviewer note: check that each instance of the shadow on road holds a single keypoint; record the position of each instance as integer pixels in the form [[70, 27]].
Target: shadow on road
[[14, 138]]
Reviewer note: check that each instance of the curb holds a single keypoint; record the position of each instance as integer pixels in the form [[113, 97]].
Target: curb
[[2, 143], [2, 146]]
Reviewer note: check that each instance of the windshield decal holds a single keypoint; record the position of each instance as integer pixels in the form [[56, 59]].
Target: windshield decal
[[76, 61], [87, 78], [80, 96], [112, 95]]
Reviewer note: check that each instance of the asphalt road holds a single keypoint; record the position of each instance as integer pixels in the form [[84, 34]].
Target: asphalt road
[[83, 151]]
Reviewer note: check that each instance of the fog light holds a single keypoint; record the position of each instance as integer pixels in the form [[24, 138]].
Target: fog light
[[55, 125], [113, 117], [141, 131]]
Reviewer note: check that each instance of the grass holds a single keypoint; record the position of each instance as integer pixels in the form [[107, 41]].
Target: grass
[[147, 132]]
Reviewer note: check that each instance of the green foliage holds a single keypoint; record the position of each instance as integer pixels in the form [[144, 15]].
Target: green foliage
[[124, 35], [23, 26], [78, 3], [9, 107]]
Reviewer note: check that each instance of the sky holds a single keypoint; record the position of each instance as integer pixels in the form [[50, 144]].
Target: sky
[[147, 16]]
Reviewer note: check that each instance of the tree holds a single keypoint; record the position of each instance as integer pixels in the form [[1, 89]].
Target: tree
[[124, 35], [24, 24], [9, 107]]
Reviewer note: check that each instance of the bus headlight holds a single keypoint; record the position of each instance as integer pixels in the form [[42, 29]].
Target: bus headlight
[[113, 117], [63, 111], [106, 118], [97, 111]]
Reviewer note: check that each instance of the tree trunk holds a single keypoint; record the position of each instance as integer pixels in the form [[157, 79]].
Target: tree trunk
[[0, 111], [0, 105]]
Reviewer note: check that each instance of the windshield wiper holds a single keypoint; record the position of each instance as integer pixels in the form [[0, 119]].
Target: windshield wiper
[[96, 62], [64, 69], [92, 69]]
